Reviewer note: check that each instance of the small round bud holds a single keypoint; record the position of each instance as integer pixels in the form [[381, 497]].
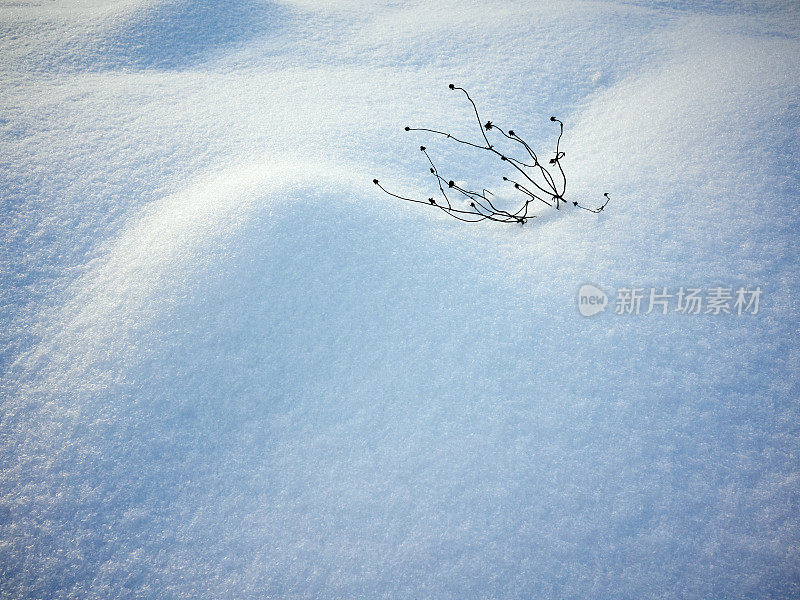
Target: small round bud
[[408, 128], [451, 86], [451, 183], [375, 181]]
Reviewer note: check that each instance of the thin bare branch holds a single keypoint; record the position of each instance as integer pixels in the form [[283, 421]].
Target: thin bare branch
[[540, 183]]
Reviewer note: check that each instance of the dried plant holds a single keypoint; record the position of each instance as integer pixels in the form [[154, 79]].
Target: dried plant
[[536, 182]]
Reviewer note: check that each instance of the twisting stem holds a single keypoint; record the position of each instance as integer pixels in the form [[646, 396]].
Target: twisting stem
[[475, 108], [481, 207]]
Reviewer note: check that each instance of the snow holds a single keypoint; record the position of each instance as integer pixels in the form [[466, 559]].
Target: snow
[[232, 368]]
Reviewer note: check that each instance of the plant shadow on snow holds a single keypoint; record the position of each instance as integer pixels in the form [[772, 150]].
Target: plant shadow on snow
[[181, 34]]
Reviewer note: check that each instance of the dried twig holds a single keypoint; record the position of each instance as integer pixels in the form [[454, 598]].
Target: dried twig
[[539, 184]]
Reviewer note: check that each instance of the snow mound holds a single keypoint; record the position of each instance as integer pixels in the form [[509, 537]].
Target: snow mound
[[232, 368]]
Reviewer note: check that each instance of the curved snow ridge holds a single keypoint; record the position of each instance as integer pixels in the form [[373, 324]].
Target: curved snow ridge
[[713, 103], [146, 267], [175, 35], [134, 34]]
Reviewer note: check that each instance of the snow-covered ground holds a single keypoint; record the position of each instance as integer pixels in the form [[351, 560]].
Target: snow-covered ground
[[233, 368]]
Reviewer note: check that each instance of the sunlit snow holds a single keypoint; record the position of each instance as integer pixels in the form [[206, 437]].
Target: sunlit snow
[[233, 368]]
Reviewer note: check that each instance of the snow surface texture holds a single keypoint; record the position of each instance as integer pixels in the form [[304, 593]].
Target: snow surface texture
[[232, 368]]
